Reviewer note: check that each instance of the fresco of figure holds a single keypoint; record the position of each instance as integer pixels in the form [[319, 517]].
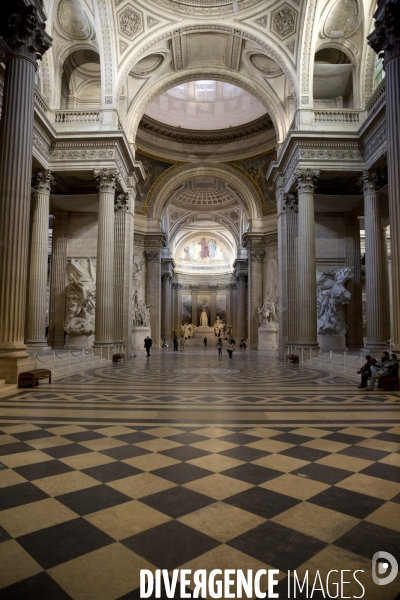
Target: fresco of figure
[[204, 252]]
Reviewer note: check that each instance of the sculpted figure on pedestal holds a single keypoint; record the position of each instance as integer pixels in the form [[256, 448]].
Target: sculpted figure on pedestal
[[331, 297], [204, 319], [140, 312], [80, 297], [267, 314]]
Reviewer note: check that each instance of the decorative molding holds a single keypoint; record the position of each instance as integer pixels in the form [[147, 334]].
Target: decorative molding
[[284, 21], [178, 60], [369, 73], [130, 22], [306, 179], [305, 63], [289, 203], [24, 31], [368, 181], [121, 203], [263, 21], [107, 54], [153, 256], [291, 45], [257, 257], [43, 181], [151, 22], [122, 46], [386, 36], [107, 180], [235, 55]]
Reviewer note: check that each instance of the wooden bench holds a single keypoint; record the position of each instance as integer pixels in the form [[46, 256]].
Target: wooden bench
[[389, 383], [31, 378], [293, 358], [117, 357]]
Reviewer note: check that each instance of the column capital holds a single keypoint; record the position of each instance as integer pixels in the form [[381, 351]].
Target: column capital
[[385, 38], [153, 255], [289, 203], [306, 179], [194, 288], [213, 288], [43, 181], [23, 30], [107, 180], [368, 181], [241, 277], [257, 257], [121, 203], [166, 277]]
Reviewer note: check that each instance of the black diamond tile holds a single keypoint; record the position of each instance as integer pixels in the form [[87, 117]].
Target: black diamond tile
[[17, 495], [366, 453], [388, 472], [278, 546], [134, 437], [245, 453], [181, 473], [323, 473], [347, 502], [60, 543], [67, 450], [261, 502], [93, 499], [4, 535], [387, 437], [36, 434], [43, 469], [240, 438], [177, 501], [124, 452], [343, 438], [111, 471], [366, 538], [187, 438], [304, 453], [15, 448], [396, 499], [170, 545], [291, 438], [38, 587], [83, 436], [252, 473], [184, 453], [252, 399]]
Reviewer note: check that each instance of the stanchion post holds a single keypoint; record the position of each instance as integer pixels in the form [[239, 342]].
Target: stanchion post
[[92, 355], [83, 357], [344, 362], [69, 360], [54, 363]]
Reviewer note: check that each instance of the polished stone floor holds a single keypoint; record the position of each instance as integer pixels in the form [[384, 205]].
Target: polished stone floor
[[187, 460]]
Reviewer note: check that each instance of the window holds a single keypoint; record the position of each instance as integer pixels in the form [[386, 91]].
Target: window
[[205, 91], [379, 72]]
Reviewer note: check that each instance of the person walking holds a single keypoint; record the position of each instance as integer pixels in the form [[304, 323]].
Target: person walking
[[148, 342], [231, 348], [175, 342], [219, 346], [205, 342], [183, 344]]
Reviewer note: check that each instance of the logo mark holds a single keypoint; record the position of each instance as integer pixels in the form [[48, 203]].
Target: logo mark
[[380, 568]]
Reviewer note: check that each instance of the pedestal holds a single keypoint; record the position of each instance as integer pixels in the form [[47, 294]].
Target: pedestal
[[267, 338], [12, 367], [334, 343], [138, 336], [79, 342]]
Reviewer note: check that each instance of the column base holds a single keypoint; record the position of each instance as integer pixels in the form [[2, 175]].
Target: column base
[[307, 345], [10, 368], [103, 344], [37, 344], [377, 346]]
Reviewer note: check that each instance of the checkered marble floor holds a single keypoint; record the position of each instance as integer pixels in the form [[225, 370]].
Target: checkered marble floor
[[186, 462]]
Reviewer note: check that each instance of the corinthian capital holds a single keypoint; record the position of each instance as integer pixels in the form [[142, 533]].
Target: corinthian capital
[[289, 203], [23, 29], [43, 180], [368, 181], [386, 36], [121, 203], [107, 179], [306, 179]]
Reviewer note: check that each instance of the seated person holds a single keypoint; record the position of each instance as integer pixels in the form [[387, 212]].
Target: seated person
[[365, 371], [388, 368]]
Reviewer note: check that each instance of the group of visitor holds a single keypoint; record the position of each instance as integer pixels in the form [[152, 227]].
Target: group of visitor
[[374, 370]]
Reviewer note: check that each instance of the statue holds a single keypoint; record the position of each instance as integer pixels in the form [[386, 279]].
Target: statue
[[188, 330], [331, 297], [204, 318], [137, 269], [81, 298], [267, 314], [219, 327], [140, 312]]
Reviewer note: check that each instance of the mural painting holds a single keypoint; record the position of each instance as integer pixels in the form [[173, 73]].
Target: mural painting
[[257, 169], [221, 307], [202, 252], [186, 308], [153, 169]]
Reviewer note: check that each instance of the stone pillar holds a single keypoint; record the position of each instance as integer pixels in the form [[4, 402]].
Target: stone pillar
[[174, 308], [354, 336], [58, 269], [195, 293], [287, 265], [153, 293], [22, 30], [241, 325], [307, 272], [234, 309], [386, 38], [179, 309], [123, 265], [104, 320], [255, 292], [228, 304], [213, 304], [39, 263], [386, 285], [166, 307], [375, 304]]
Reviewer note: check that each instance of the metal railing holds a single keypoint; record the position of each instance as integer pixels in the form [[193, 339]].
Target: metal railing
[[343, 362], [80, 359]]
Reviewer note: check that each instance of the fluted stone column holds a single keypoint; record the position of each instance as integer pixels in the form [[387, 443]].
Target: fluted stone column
[[174, 308], [234, 309], [241, 326], [255, 292], [287, 264], [58, 268], [123, 265], [179, 309], [153, 293], [22, 29], [386, 38], [307, 286], [36, 334], [375, 304], [166, 307], [104, 317], [195, 293], [213, 303], [386, 285], [228, 304], [354, 336]]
